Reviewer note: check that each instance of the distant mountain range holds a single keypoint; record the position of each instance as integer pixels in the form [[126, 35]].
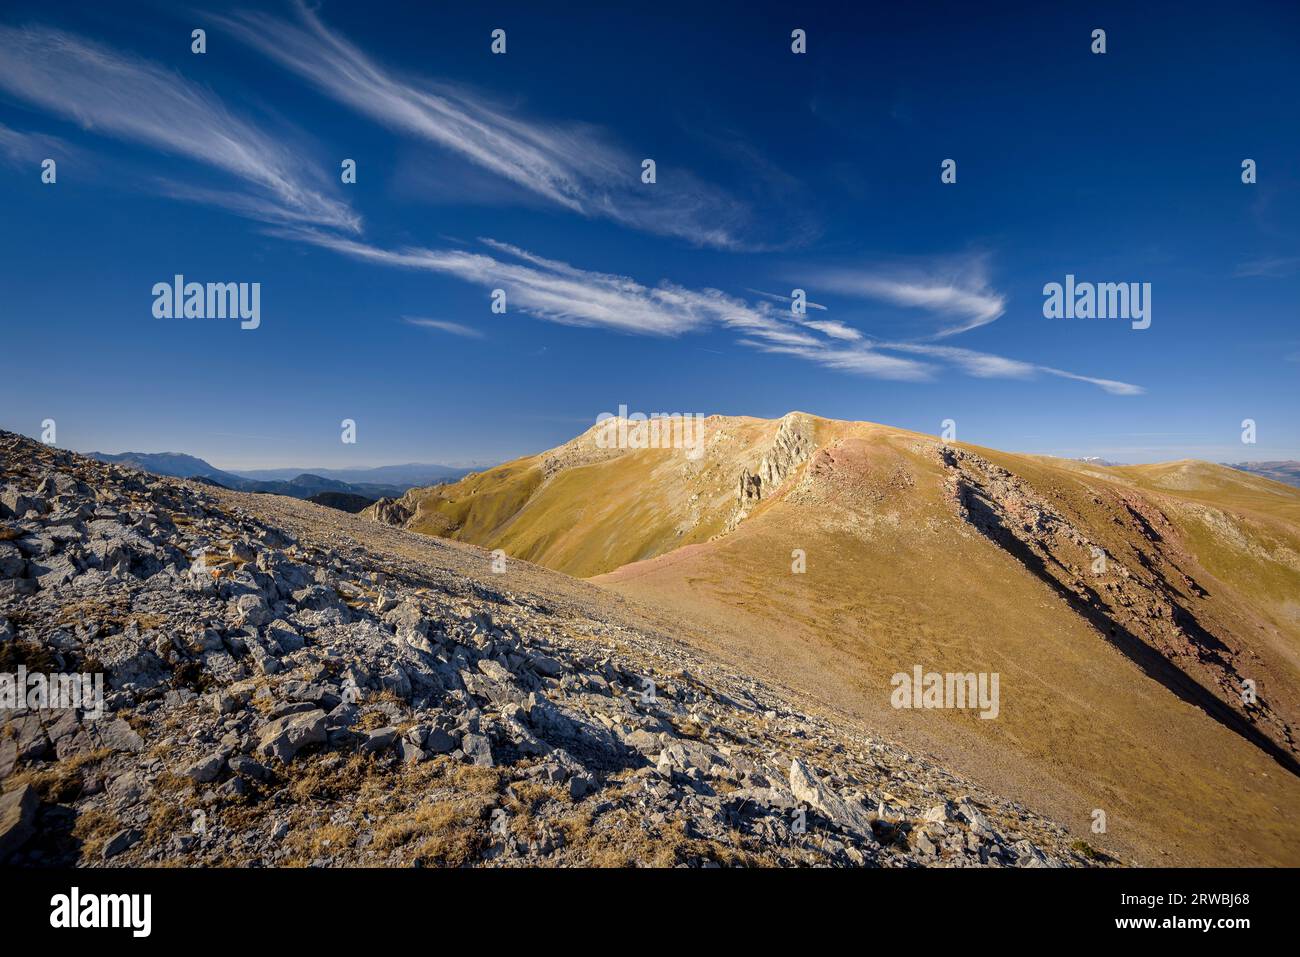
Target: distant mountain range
[[406, 476], [1286, 472], [344, 485]]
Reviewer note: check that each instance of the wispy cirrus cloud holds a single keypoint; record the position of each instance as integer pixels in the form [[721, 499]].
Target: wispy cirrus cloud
[[129, 98], [19, 146], [1273, 267], [455, 328], [984, 365], [829, 327], [833, 328], [1106, 385], [981, 365], [863, 359], [560, 292], [958, 293], [572, 166], [786, 299]]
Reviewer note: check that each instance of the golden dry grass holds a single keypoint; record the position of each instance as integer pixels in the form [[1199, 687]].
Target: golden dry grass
[[904, 583], [895, 578], [59, 781]]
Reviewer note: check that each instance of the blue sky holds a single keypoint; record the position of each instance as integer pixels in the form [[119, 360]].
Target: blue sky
[[522, 171]]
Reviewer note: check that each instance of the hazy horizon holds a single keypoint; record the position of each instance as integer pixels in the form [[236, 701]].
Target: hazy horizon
[[1119, 455]]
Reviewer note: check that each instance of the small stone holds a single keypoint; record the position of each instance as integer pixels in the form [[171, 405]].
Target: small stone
[[439, 741], [642, 741], [284, 737], [924, 844], [205, 769], [546, 666], [379, 740], [410, 752], [17, 818], [246, 767], [478, 749], [123, 840], [939, 814], [241, 552], [494, 671], [251, 611], [8, 757], [808, 789]]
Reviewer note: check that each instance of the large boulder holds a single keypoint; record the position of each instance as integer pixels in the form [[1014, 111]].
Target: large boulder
[[250, 611], [845, 814]]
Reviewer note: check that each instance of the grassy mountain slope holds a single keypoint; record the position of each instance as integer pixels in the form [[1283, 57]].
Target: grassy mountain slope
[[1121, 688], [585, 510]]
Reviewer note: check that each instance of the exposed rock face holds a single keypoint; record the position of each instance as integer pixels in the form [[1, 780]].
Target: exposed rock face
[[793, 443], [1143, 602], [288, 685], [390, 511], [583, 450]]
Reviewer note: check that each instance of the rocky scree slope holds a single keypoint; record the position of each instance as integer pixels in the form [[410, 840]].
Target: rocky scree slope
[[289, 685]]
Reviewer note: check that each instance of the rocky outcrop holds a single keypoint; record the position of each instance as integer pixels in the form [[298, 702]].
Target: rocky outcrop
[[289, 685], [1144, 602], [586, 449], [794, 442], [391, 511]]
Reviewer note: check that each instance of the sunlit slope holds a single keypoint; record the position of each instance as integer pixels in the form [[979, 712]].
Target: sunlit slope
[[1242, 531], [896, 578], [585, 510], [476, 507], [1121, 681]]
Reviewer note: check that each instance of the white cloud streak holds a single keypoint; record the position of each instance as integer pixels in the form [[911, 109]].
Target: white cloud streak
[[455, 328], [134, 100], [780, 298], [125, 97], [963, 293], [861, 360], [1275, 267], [572, 166], [833, 328], [983, 365], [828, 327], [17, 146], [1106, 385], [559, 292]]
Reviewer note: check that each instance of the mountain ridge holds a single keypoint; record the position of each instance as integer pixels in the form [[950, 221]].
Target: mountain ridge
[[298, 483], [1172, 581], [1286, 471], [288, 685]]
